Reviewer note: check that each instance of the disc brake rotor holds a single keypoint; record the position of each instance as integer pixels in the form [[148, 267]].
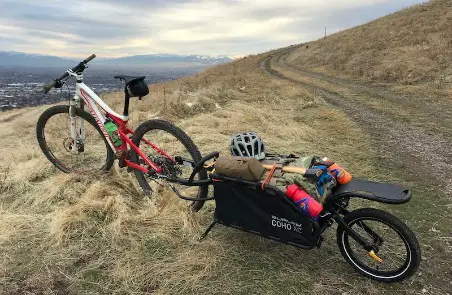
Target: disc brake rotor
[[68, 142]]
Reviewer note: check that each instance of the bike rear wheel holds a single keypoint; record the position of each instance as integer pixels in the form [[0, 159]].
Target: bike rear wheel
[[174, 142], [53, 132], [396, 245]]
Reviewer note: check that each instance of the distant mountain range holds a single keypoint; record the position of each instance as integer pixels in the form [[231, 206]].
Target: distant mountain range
[[9, 58], [152, 59]]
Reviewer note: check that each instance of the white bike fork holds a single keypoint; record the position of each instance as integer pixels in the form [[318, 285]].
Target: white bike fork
[[77, 124]]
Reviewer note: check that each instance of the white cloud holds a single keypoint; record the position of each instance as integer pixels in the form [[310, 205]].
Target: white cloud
[[235, 27]]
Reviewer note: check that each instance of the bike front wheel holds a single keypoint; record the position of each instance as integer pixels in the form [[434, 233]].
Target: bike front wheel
[[92, 153], [161, 141], [397, 253]]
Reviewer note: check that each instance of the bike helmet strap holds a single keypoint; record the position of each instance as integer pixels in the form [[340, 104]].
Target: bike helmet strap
[[247, 144]]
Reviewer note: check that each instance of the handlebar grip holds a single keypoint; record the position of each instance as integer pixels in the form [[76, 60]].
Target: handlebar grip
[[49, 86], [90, 58]]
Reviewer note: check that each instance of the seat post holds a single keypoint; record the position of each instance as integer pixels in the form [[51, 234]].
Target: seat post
[[126, 104]]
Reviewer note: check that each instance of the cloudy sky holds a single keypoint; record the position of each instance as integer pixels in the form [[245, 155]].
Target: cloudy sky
[[229, 27]]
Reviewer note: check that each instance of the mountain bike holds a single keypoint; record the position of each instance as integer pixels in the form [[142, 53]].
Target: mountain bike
[[76, 141]]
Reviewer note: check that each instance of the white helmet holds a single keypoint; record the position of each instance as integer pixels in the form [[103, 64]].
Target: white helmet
[[247, 144]]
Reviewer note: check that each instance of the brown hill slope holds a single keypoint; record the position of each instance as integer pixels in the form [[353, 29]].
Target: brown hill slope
[[72, 234], [412, 46]]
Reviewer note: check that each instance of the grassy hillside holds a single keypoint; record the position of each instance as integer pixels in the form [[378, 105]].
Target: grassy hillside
[[68, 234], [410, 47], [72, 234]]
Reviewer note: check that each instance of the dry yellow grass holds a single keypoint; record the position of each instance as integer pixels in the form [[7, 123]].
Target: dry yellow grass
[[69, 234], [410, 47]]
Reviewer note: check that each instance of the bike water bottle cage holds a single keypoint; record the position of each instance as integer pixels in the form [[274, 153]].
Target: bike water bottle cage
[[134, 86]]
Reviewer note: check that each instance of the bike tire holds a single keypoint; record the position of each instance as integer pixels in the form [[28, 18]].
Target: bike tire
[[186, 141], [411, 244], [40, 134]]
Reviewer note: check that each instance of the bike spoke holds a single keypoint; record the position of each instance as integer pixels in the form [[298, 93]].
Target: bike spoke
[[171, 147], [392, 251], [90, 154]]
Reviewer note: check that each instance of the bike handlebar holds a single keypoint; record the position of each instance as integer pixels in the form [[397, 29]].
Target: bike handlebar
[[49, 86], [90, 58], [78, 68]]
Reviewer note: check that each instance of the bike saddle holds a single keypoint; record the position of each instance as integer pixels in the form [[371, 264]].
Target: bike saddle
[[129, 79]]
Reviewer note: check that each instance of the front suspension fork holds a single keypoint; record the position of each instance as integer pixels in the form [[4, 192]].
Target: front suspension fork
[[77, 124]]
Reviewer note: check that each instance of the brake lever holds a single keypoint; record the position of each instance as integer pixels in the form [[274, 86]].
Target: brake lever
[[58, 84]]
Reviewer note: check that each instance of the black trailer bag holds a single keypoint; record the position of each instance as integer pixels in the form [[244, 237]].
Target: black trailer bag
[[267, 213]]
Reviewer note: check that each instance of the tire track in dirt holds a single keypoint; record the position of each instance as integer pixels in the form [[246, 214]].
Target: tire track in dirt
[[431, 109], [424, 156]]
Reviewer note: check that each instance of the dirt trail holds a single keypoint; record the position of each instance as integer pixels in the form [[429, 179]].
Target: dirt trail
[[423, 155], [416, 153], [11, 117]]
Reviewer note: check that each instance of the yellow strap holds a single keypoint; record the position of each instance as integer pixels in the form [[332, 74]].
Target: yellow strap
[[209, 165]]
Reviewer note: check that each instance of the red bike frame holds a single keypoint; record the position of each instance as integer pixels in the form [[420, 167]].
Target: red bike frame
[[124, 131], [90, 99]]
